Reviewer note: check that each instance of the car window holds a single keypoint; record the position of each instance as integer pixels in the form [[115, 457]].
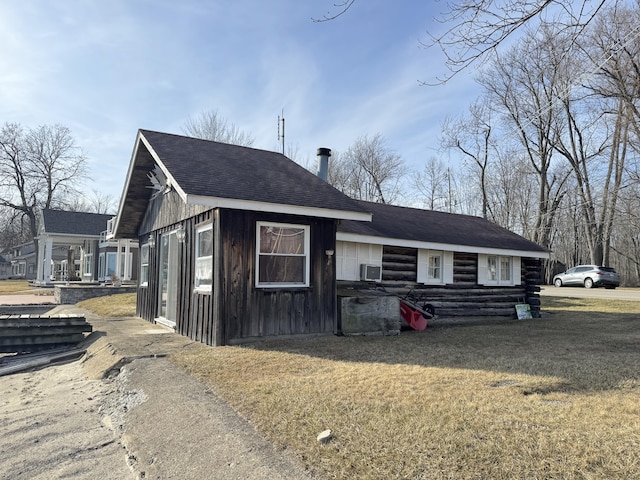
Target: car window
[[583, 269], [571, 270], [607, 269]]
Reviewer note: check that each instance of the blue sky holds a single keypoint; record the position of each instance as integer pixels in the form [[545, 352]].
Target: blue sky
[[105, 69]]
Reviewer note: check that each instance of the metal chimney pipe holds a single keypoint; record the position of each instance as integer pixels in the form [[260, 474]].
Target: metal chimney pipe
[[323, 163]]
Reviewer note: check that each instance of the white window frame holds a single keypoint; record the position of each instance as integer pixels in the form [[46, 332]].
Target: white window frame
[[350, 255], [87, 267], [424, 267], [486, 276], [305, 254], [144, 266], [203, 258]]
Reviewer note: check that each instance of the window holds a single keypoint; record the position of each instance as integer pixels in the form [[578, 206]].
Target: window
[[204, 258], [282, 255], [350, 255], [435, 267], [498, 270], [101, 266], [144, 264], [505, 269], [88, 259]]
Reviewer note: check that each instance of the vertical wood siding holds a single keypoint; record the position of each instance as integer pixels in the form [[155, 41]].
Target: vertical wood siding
[[236, 310], [249, 312]]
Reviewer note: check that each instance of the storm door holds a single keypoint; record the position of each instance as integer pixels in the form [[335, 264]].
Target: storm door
[[168, 285]]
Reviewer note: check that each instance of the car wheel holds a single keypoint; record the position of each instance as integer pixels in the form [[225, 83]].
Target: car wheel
[[588, 283], [558, 282]]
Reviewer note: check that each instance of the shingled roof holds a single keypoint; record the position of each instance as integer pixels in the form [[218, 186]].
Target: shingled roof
[[415, 227], [74, 223], [216, 174]]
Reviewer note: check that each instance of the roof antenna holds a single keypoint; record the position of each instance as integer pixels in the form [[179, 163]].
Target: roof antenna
[[281, 137]]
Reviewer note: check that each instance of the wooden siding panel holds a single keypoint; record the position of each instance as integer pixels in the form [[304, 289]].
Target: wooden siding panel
[[194, 312], [250, 312], [165, 210]]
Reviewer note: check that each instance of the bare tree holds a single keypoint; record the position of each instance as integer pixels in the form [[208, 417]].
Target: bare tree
[[368, 170], [520, 85], [477, 28], [15, 229], [97, 202], [471, 137], [38, 168], [209, 125], [434, 183]]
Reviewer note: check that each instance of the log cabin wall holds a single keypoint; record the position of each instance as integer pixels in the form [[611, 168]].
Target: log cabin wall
[[249, 312], [463, 298]]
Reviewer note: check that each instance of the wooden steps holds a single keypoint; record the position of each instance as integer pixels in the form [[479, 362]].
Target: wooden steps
[[34, 333]]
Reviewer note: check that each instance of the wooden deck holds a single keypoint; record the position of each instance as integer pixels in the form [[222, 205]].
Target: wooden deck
[[33, 333]]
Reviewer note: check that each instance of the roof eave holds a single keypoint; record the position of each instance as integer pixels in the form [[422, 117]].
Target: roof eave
[[141, 140], [398, 242], [236, 204]]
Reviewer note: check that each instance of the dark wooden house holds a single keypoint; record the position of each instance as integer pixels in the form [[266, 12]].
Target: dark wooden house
[[238, 243], [235, 243]]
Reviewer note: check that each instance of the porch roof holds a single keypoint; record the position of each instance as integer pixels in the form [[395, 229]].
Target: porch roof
[[73, 223]]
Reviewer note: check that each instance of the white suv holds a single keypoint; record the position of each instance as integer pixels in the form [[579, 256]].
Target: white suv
[[589, 276]]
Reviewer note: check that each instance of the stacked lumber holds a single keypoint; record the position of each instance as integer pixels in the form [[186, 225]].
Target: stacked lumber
[[33, 333]]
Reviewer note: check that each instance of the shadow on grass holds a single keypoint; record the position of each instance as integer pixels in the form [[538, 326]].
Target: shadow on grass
[[583, 350]]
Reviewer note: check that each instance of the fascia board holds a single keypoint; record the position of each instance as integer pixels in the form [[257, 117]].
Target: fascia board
[[64, 237], [235, 204], [127, 182], [395, 242]]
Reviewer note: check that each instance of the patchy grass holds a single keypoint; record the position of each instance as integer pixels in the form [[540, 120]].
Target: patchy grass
[[21, 287], [119, 305], [557, 397]]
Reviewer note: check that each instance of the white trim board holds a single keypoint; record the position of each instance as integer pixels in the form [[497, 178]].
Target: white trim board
[[395, 242]]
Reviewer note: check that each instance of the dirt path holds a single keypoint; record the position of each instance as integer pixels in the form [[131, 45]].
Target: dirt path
[[147, 419], [51, 427]]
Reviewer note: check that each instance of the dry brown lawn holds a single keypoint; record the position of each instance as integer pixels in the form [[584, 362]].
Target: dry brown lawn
[[551, 398], [119, 305], [21, 287]]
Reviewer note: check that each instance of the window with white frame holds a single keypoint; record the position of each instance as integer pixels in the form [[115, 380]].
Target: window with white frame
[[282, 255], [350, 255], [88, 259], [204, 258], [498, 270], [435, 267], [101, 266], [144, 264]]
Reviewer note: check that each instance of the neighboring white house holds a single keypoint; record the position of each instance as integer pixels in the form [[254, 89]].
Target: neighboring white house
[[89, 252]]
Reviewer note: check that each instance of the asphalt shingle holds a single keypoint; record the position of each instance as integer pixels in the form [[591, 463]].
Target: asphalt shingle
[[74, 223], [419, 225]]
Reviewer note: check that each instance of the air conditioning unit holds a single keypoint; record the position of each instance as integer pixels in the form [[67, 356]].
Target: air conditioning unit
[[370, 273]]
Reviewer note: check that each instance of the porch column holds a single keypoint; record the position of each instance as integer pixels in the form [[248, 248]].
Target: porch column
[[119, 273], [48, 249], [40, 261], [128, 260]]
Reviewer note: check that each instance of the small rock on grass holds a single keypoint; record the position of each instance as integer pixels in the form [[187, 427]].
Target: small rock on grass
[[324, 437]]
